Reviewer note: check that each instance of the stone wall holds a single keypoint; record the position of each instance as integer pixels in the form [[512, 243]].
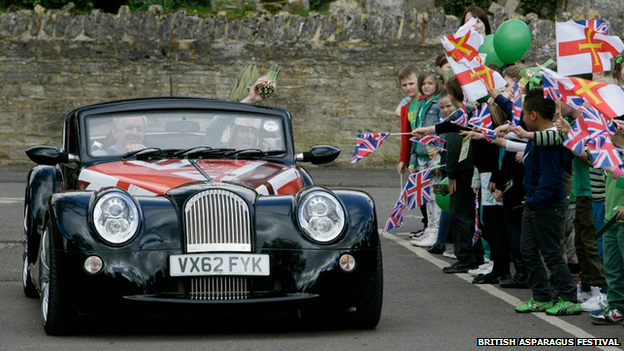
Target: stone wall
[[338, 77]]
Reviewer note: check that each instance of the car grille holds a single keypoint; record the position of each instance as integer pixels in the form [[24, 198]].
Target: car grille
[[217, 220], [219, 288]]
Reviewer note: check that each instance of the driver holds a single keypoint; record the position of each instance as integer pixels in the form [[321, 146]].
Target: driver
[[127, 134]]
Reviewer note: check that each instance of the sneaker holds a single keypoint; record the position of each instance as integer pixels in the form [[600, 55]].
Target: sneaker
[[598, 302], [482, 269], [532, 305], [449, 254], [564, 308], [583, 296], [425, 240], [607, 316], [416, 234]]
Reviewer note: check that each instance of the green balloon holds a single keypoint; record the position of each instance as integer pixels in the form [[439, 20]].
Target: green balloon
[[443, 200], [512, 40], [488, 48]]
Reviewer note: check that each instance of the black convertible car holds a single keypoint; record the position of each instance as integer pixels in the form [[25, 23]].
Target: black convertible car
[[188, 206]]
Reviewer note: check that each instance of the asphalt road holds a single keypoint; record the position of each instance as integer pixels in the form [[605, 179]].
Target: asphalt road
[[424, 309]]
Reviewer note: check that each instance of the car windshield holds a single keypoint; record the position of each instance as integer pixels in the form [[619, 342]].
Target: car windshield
[[118, 134]]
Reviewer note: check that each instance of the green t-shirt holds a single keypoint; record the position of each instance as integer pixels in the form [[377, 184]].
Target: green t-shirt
[[582, 184], [614, 196]]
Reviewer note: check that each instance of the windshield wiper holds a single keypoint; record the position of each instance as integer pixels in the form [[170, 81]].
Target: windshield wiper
[[192, 150], [145, 151], [202, 151], [151, 152], [255, 152]]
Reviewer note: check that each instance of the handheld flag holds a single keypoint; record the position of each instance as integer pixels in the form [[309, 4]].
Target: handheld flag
[[464, 44], [599, 26], [474, 78], [482, 117], [516, 109], [366, 144], [581, 49], [477, 231], [417, 192], [607, 98]]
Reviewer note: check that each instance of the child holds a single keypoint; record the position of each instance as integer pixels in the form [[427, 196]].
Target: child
[[408, 78], [544, 212], [427, 114], [460, 170], [613, 248], [447, 108]]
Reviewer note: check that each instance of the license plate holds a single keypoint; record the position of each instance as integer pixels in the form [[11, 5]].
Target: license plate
[[218, 264]]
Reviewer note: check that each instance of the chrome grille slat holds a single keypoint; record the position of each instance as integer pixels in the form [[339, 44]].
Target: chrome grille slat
[[219, 288], [218, 220]]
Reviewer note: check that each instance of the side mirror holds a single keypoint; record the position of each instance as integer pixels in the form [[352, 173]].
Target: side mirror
[[49, 156], [319, 154]]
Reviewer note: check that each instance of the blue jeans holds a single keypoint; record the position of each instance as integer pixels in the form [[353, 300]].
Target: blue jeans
[[598, 211], [443, 229]]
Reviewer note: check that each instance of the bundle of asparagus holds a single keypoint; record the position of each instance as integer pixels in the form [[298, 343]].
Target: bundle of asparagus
[[267, 90], [243, 83]]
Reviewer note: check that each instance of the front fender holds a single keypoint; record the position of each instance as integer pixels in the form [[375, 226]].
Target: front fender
[[159, 228], [41, 183]]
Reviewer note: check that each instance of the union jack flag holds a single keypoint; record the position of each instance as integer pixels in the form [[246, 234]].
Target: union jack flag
[[460, 117], [488, 134], [418, 189], [429, 140], [477, 232], [517, 106], [577, 138], [482, 117], [595, 122], [603, 153], [416, 193], [366, 144], [553, 90], [598, 26]]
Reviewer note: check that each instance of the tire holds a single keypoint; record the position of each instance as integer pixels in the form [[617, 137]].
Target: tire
[[58, 314], [368, 314], [27, 284]]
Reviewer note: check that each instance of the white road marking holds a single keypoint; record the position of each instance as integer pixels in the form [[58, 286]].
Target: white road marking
[[494, 291], [10, 200]]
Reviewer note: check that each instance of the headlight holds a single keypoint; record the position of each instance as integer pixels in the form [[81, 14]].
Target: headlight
[[116, 217], [321, 216]]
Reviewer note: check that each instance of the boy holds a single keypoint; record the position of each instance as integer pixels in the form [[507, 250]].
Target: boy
[[613, 247], [408, 78], [544, 212]]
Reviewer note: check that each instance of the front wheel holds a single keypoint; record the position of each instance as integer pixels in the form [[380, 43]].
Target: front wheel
[[27, 284], [368, 314], [58, 314]]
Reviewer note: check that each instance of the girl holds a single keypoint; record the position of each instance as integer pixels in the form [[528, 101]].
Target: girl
[[427, 115]]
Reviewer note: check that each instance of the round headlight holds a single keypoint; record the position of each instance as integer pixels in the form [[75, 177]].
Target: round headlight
[[116, 217], [321, 216]]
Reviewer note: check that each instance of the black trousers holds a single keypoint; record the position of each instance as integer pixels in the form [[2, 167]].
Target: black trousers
[[462, 211], [540, 234]]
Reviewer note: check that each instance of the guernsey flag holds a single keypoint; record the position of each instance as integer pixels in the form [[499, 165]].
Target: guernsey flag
[[606, 98], [474, 77], [463, 46], [581, 49]]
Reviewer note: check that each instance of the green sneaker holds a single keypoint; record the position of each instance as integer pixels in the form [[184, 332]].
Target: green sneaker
[[564, 308], [531, 305]]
